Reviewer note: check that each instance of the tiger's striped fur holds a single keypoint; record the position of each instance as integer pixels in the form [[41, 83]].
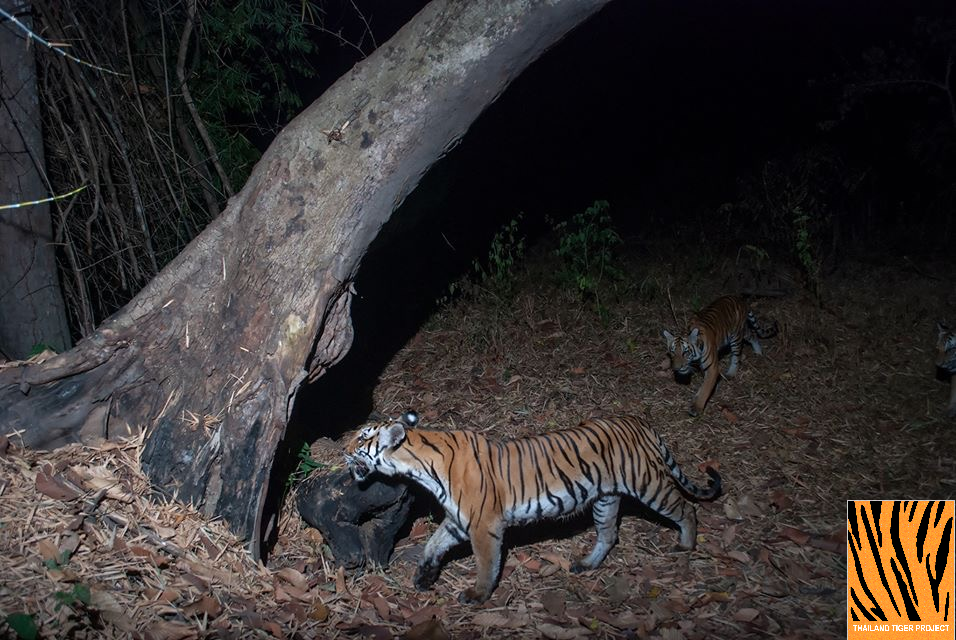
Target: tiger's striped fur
[[486, 485], [946, 360], [724, 322]]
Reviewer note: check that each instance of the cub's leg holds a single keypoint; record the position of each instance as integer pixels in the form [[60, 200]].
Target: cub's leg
[[706, 389], [605, 521], [752, 340], [951, 412], [736, 346], [486, 545], [445, 537]]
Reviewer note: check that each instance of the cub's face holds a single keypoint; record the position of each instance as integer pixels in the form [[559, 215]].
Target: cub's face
[[369, 449], [683, 352], [946, 347]]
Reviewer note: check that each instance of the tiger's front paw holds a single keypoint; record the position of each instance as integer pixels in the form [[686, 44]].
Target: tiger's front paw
[[579, 567], [694, 411], [425, 576]]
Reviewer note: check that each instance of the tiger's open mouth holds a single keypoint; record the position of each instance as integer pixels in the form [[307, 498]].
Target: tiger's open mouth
[[359, 469]]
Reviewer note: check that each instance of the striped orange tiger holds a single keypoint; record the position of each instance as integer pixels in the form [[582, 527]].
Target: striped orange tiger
[[724, 322], [486, 485], [946, 360], [900, 566]]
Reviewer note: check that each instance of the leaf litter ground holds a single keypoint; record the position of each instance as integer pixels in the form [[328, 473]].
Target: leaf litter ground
[[842, 405]]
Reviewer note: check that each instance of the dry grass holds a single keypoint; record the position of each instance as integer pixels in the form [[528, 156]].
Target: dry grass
[[842, 405]]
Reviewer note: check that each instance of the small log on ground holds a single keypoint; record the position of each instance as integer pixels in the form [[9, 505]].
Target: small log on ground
[[358, 521]]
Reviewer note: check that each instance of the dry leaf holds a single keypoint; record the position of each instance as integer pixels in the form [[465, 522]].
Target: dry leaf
[[55, 487], [341, 588], [619, 588], [207, 605], [556, 559], [578, 371], [727, 537], [381, 607], [319, 611], [501, 620], [739, 556], [780, 500], [731, 510], [554, 602], [795, 535], [729, 415], [746, 615], [163, 630], [554, 632], [427, 630], [294, 578]]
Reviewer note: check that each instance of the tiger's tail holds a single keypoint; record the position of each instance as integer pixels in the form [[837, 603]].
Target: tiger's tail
[[713, 485], [762, 332]]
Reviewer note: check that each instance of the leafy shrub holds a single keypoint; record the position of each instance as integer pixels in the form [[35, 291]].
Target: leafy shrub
[[586, 247]]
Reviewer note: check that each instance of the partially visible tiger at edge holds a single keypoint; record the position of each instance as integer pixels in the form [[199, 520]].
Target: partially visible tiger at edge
[[486, 485], [946, 360], [724, 322]]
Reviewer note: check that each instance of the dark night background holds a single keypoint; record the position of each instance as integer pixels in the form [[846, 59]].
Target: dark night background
[[668, 110]]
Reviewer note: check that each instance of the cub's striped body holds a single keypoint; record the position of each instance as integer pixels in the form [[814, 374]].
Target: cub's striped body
[[946, 360], [486, 485], [725, 322]]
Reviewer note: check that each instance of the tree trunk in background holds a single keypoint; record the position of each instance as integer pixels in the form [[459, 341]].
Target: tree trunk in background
[[31, 305], [208, 357]]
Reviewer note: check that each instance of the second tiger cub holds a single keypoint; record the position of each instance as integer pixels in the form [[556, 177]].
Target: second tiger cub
[[724, 322]]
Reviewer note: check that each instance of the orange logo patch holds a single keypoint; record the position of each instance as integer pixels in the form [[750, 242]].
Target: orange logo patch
[[900, 569]]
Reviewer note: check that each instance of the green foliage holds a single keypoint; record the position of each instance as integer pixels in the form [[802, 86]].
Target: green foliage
[[506, 251], [252, 52], [77, 597], [23, 625], [307, 464], [39, 348], [791, 204], [586, 247]]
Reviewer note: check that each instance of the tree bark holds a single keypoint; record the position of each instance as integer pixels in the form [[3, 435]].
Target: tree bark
[[208, 357], [32, 311]]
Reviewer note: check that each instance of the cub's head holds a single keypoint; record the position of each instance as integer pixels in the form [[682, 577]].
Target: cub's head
[[946, 348], [683, 352], [371, 447]]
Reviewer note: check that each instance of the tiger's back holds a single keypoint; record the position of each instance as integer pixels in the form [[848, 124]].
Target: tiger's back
[[486, 485], [725, 322]]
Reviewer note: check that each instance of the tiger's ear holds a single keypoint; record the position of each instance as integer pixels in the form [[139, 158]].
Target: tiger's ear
[[392, 435], [667, 335], [694, 336]]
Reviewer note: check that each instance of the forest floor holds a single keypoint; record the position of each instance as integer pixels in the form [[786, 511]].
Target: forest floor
[[843, 404]]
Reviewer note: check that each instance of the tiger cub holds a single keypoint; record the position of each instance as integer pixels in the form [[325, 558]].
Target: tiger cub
[[487, 485], [946, 360], [724, 322]]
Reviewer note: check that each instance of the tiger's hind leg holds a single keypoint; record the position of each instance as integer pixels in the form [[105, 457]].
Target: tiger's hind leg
[[605, 521], [683, 514], [445, 537]]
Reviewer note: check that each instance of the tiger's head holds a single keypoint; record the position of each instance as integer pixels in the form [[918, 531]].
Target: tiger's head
[[684, 352], [946, 348], [370, 449]]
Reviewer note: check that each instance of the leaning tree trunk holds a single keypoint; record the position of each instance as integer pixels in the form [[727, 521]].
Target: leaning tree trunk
[[31, 305], [208, 357]]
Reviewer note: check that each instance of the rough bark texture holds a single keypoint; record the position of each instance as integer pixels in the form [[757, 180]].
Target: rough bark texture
[[208, 357], [31, 305]]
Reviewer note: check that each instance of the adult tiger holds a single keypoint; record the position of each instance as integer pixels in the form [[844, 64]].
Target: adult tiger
[[946, 360], [724, 322], [486, 485]]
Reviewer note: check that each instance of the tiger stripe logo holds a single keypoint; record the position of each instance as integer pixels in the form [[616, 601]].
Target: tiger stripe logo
[[900, 569]]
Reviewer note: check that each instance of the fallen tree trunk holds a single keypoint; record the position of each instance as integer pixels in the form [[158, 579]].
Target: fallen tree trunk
[[208, 357]]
